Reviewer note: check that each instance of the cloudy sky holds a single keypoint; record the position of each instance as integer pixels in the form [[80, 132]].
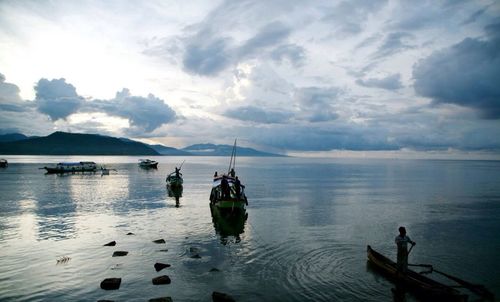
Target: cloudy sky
[[289, 76]]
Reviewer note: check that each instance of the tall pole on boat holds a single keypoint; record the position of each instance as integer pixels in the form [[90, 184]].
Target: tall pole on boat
[[232, 162]]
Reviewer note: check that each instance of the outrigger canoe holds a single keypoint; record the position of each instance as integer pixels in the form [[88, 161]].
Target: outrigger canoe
[[423, 287], [174, 181]]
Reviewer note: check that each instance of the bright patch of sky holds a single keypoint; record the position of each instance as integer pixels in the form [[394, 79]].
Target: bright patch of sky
[[289, 76]]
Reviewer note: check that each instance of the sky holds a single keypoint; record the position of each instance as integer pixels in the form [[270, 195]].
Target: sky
[[295, 77]]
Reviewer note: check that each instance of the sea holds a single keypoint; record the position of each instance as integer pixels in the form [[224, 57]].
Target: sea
[[303, 237]]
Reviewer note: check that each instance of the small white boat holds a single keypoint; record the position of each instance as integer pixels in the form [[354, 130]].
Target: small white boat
[[72, 167], [148, 163]]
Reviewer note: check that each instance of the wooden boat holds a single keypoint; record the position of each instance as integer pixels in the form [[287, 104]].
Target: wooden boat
[[148, 164], [72, 167], [423, 287], [4, 163], [174, 180], [232, 198], [230, 224]]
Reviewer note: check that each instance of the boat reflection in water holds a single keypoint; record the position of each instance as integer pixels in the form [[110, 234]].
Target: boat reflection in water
[[228, 224], [175, 192]]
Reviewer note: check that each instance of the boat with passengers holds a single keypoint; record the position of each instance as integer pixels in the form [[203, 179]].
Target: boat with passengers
[[228, 193], [72, 167]]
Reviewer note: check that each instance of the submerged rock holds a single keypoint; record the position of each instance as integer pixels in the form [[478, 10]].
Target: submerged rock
[[120, 253], [162, 299], [196, 256], [222, 297], [130, 233], [194, 250], [105, 301], [112, 243], [159, 241], [111, 283], [159, 266], [214, 269], [164, 250], [161, 280]]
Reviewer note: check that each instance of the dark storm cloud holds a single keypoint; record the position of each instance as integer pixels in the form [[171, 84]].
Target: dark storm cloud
[[314, 138], [271, 34], [144, 113], [391, 82], [207, 54], [207, 57], [290, 52], [258, 115], [475, 16], [9, 97], [59, 99], [394, 43], [317, 103], [56, 98], [466, 74], [348, 17]]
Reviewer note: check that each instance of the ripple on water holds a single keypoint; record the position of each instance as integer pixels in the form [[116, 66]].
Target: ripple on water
[[327, 273]]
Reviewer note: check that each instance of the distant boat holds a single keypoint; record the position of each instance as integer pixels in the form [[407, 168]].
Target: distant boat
[[228, 194], [105, 171], [148, 164], [72, 167], [424, 287], [4, 163]]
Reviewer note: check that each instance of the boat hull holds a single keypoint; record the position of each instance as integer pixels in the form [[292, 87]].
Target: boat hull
[[149, 166], [231, 202], [421, 286], [61, 171], [78, 167], [174, 181]]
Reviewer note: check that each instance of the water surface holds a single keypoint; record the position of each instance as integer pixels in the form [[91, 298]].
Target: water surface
[[304, 238]]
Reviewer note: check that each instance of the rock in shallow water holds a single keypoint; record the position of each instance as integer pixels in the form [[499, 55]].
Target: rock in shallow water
[[214, 269], [161, 280], [111, 283], [130, 233], [120, 253], [112, 243], [159, 241], [159, 266]]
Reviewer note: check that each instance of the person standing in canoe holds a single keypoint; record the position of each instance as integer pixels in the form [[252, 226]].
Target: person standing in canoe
[[224, 185], [402, 241]]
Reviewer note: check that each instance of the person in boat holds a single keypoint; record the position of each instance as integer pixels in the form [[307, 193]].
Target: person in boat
[[215, 174], [237, 187], [402, 241], [232, 173], [224, 185]]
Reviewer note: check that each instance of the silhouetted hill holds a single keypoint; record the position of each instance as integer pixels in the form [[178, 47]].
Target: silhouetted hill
[[163, 150], [224, 150], [12, 137], [61, 143]]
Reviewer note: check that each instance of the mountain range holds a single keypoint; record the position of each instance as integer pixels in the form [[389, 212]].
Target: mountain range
[[63, 143]]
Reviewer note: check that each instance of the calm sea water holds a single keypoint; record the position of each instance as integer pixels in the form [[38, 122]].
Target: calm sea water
[[304, 239]]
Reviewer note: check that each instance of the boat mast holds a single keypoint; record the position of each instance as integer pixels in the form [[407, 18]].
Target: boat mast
[[232, 162]]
